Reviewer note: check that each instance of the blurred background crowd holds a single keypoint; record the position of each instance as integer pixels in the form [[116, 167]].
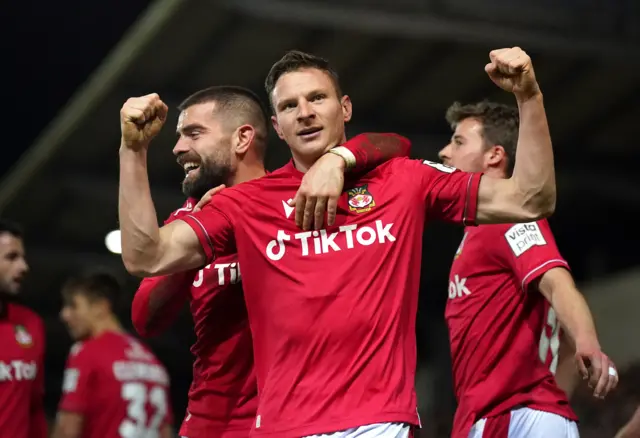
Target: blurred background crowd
[[72, 65]]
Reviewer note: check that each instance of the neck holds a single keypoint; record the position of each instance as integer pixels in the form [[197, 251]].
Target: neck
[[109, 324], [246, 171], [495, 172]]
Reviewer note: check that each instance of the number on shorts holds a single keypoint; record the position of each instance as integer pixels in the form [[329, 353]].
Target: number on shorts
[[137, 396], [550, 344]]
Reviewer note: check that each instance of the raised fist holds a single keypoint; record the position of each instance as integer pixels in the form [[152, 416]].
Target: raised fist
[[511, 70], [141, 118]]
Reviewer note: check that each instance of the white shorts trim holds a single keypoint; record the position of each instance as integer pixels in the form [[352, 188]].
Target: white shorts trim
[[530, 423], [378, 430]]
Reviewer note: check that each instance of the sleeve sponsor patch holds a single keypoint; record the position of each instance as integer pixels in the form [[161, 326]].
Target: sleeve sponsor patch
[[523, 237], [439, 166], [70, 382]]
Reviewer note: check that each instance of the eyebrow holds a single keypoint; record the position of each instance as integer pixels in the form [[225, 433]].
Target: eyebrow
[[190, 127]]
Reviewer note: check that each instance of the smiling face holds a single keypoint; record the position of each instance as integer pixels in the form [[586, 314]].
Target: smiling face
[[309, 114], [203, 149]]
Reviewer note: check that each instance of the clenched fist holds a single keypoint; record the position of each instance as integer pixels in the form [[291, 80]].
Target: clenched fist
[[511, 70], [141, 118]]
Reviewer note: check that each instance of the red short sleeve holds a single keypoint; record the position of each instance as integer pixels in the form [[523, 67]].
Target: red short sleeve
[[531, 250], [77, 382], [450, 195], [214, 227]]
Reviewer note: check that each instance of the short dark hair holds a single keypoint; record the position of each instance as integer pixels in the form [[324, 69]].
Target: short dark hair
[[295, 60], [500, 124], [238, 104], [12, 228], [94, 285]]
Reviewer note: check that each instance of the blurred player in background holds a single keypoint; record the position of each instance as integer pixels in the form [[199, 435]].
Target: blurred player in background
[[223, 134], [22, 346], [510, 291], [332, 311], [113, 386]]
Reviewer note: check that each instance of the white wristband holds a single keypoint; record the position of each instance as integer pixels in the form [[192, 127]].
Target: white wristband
[[346, 155]]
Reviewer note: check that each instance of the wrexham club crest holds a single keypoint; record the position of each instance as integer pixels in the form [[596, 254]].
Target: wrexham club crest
[[23, 337], [360, 200]]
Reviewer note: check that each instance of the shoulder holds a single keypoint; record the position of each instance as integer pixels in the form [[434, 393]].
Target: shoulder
[[23, 315], [186, 208]]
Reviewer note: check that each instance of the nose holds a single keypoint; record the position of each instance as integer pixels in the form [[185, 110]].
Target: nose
[[305, 110], [181, 146], [64, 314], [445, 153], [24, 268]]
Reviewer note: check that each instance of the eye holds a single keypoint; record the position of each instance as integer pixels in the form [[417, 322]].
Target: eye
[[317, 97]]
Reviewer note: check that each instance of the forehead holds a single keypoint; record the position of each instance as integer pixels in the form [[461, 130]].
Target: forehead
[[300, 82], [201, 113], [10, 243], [469, 127]]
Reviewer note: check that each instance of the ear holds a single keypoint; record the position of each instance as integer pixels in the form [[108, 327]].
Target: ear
[[242, 138], [496, 155], [276, 127], [347, 108]]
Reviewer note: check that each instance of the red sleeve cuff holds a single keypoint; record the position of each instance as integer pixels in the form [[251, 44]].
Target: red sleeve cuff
[[471, 203], [539, 270], [203, 237]]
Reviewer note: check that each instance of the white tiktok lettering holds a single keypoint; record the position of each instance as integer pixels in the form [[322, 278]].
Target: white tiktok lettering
[[323, 242]]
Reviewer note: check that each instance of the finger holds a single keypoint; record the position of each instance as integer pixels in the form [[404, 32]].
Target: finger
[[300, 201], [603, 382], [613, 379], [595, 373], [135, 115], [162, 110], [494, 54], [332, 210], [584, 372], [490, 68], [308, 213], [318, 215]]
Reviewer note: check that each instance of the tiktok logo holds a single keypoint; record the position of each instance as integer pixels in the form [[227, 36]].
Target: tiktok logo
[[228, 273], [322, 242]]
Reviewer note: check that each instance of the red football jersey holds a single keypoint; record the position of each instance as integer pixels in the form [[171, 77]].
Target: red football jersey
[[21, 370], [498, 327], [333, 311], [118, 386], [223, 397]]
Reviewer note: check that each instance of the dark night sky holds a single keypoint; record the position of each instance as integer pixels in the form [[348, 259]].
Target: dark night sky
[[49, 49]]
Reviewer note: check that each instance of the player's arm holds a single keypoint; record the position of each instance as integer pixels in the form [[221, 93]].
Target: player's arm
[[632, 428], [322, 185], [573, 313], [77, 388], [530, 193], [68, 425], [147, 249], [38, 421], [567, 375], [158, 301]]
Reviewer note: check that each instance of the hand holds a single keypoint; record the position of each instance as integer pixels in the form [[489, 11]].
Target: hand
[[512, 70], [320, 189], [207, 197], [141, 118], [596, 366]]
